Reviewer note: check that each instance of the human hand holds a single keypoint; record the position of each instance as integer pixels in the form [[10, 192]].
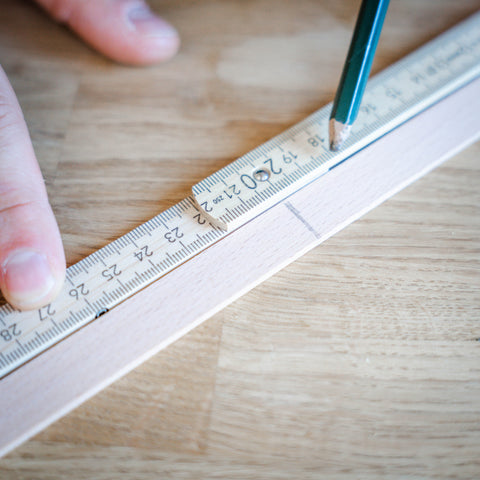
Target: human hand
[[32, 262]]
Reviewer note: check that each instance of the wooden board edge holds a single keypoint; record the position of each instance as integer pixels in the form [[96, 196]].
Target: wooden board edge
[[62, 378]]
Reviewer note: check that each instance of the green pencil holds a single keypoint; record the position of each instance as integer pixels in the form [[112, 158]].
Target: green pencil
[[356, 70]]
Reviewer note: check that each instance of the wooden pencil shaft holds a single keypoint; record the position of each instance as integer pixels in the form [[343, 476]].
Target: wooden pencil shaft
[[359, 60]]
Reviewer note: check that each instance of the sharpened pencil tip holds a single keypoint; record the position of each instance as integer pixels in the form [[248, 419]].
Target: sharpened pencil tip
[[338, 133]]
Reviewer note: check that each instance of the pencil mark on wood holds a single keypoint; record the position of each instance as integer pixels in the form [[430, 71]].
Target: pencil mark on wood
[[299, 216]]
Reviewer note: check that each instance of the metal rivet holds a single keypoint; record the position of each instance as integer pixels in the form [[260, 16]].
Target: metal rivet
[[261, 175]]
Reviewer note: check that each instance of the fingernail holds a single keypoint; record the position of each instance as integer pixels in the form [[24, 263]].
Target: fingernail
[[145, 22], [27, 278]]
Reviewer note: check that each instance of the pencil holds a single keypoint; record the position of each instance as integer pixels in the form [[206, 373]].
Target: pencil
[[356, 70]]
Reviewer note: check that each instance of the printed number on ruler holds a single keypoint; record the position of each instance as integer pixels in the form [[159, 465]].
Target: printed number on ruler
[[104, 279], [237, 193]]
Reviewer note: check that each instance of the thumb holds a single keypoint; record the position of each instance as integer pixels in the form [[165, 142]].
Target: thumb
[[125, 30], [32, 262]]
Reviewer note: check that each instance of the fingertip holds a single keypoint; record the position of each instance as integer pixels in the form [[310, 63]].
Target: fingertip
[[30, 279], [157, 40], [32, 260], [125, 30]]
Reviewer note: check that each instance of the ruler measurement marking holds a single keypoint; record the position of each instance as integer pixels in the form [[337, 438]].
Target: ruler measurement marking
[[3, 360]]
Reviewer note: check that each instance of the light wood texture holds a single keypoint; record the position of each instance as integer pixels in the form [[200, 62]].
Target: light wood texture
[[358, 360], [84, 363]]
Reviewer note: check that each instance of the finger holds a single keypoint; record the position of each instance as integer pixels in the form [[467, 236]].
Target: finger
[[124, 30], [32, 262]]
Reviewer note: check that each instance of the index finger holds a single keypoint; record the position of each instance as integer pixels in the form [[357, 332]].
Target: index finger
[[32, 262]]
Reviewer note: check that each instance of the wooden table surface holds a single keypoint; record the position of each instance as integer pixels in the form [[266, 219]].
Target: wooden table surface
[[360, 360]]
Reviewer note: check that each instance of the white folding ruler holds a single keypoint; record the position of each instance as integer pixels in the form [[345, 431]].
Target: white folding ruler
[[234, 195]]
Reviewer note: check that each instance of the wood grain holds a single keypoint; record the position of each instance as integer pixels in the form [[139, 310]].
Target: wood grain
[[86, 362], [391, 391]]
